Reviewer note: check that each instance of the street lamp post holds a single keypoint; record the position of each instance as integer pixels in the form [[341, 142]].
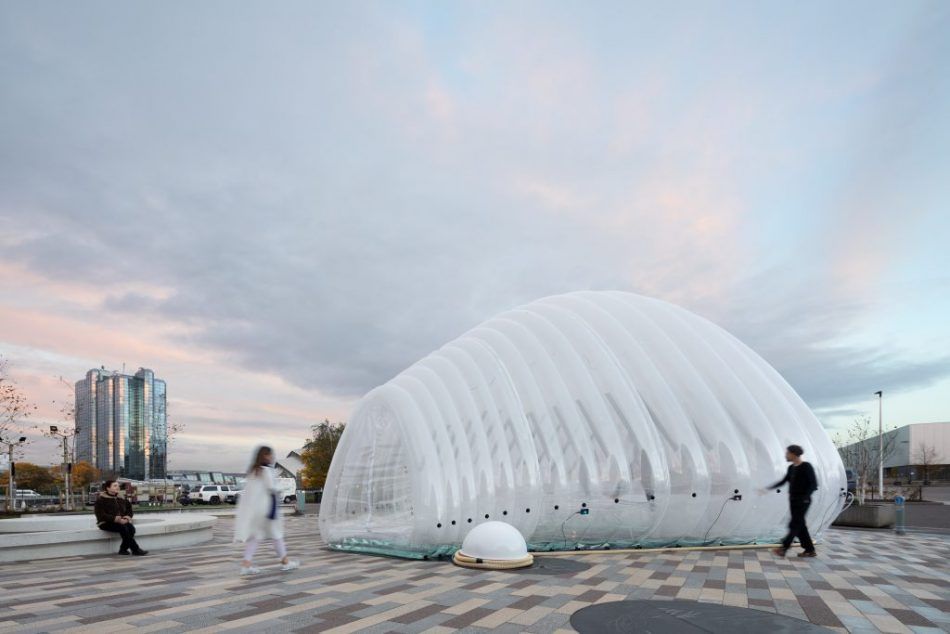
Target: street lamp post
[[11, 486], [67, 467], [880, 448]]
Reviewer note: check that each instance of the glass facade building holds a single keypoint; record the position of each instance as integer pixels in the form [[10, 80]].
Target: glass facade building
[[121, 423]]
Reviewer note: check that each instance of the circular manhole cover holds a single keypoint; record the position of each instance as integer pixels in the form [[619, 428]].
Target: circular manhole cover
[[682, 617]]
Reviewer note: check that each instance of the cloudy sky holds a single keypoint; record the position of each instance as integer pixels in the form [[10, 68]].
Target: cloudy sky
[[278, 206]]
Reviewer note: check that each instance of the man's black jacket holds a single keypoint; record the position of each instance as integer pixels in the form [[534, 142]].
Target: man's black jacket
[[802, 481]]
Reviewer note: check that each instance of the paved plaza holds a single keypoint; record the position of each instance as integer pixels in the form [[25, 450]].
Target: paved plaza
[[862, 582]]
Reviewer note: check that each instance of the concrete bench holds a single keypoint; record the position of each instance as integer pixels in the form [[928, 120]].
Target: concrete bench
[[48, 537]]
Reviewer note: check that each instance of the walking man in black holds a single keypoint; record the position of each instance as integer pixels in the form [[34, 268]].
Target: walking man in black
[[114, 514], [802, 482]]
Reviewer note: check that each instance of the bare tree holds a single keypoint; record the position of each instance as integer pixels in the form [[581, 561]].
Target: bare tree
[[172, 430], [926, 456], [15, 409], [859, 451]]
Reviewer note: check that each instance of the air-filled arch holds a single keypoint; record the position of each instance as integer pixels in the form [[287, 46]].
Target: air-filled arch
[[589, 420]]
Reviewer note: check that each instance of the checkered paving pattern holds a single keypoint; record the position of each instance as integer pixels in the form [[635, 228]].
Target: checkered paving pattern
[[862, 582]]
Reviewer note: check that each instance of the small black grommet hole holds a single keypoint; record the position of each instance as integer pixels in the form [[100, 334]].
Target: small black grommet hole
[[504, 512], [527, 510], [583, 505], [453, 522], [652, 497], [470, 520], [556, 507], [486, 516], [616, 500], [438, 525], [694, 495], [736, 491]]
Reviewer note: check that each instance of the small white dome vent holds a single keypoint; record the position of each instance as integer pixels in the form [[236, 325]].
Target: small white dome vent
[[494, 545]]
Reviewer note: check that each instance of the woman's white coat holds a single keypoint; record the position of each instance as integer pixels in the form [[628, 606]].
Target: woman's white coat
[[254, 507]]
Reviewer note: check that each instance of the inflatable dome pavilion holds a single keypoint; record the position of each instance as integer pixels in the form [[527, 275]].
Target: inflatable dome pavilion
[[587, 420]]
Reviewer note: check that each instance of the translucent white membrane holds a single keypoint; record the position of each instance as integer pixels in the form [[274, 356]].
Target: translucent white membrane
[[586, 420]]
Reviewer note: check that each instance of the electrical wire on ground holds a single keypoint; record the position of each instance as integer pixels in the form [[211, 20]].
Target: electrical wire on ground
[[721, 509]]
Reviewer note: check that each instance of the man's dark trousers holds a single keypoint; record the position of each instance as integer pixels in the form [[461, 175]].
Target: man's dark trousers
[[797, 528], [127, 531]]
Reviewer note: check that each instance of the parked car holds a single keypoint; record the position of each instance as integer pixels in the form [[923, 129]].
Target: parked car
[[212, 494], [27, 493]]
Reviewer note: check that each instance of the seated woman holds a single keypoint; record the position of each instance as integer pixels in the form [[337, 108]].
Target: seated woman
[[114, 514]]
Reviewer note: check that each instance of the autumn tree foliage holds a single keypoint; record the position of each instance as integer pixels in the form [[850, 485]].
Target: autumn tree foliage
[[31, 476], [318, 452], [83, 474]]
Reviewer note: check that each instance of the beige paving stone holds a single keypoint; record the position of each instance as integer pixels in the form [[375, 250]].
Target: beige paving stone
[[752, 565], [532, 615], [843, 608], [161, 626], [571, 607], [465, 606], [607, 586], [711, 595], [494, 620], [782, 593], [837, 581], [39, 625], [103, 628], [370, 621], [735, 576], [831, 596], [639, 577], [888, 624], [264, 617], [921, 593], [593, 571], [489, 588]]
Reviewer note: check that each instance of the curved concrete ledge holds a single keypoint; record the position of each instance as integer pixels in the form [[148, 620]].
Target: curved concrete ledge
[[31, 538]]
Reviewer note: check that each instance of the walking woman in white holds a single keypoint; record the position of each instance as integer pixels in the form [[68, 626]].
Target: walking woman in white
[[258, 515]]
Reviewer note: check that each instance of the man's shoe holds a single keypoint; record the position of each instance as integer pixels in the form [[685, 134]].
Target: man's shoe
[[808, 553], [124, 552], [140, 552], [779, 552]]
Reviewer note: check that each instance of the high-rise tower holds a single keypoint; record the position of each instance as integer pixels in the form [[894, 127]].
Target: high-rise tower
[[121, 423]]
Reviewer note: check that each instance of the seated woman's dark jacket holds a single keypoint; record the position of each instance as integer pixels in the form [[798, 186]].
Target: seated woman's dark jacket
[[108, 507]]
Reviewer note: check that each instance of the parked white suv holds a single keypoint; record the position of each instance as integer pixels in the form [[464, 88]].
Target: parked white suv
[[212, 494]]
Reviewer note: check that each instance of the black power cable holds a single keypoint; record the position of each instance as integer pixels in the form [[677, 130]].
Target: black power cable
[[563, 536], [721, 509]]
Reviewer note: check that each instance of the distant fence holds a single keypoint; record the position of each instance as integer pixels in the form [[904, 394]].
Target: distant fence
[[33, 501]]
